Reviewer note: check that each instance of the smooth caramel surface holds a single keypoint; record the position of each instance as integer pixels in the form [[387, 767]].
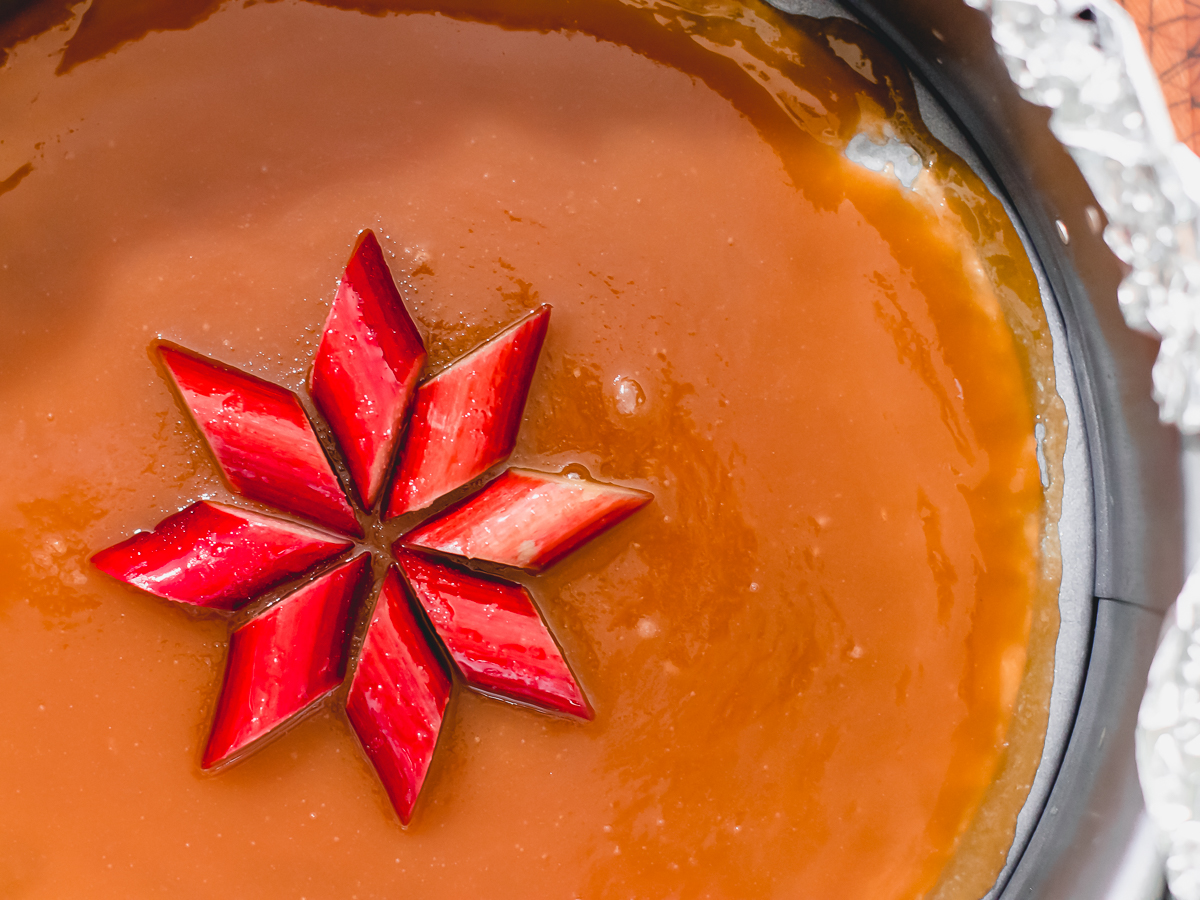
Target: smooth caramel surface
[[803, 656]]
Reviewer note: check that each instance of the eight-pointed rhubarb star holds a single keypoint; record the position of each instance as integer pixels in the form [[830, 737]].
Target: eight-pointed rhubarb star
[[433, 616]]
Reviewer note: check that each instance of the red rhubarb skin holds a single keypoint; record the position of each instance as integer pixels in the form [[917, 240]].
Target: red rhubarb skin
[[527, 519], [261, 439], [217, 556], [284, 660], [398, 697], [465, 419], [367, 367], [494, 635]]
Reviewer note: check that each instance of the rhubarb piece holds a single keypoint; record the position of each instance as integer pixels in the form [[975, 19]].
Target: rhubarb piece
[[284, 660], [367, 366], [216, 556], [494, 634], [398, 697], [527, 519], [465, 419], [261, 439]]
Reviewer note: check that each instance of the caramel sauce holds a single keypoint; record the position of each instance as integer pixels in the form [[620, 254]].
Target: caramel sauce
[[819, 661]]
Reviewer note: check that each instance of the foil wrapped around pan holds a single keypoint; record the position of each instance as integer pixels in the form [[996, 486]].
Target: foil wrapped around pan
[[1085, 61]]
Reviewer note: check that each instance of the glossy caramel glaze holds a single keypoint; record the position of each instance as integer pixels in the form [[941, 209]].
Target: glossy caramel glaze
[[819, 661]]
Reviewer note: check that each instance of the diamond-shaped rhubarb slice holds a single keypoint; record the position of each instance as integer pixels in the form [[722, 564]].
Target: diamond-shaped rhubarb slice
[[261, 439], [494, 634], [527, 519], [398, 697], [367, 366], [217, 556], [284, 660], [465, 419]]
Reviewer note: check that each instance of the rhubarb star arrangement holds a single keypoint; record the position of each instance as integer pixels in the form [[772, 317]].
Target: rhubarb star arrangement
[[434, 621]]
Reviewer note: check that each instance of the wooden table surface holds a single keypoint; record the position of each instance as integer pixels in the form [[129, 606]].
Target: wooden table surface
[[1171, 32]]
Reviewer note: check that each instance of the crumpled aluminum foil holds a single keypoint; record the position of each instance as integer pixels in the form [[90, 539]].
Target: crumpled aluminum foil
[[1084, 60], [1168, 743]]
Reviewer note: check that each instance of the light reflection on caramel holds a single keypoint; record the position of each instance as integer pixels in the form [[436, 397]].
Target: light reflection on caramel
[[44, 561]]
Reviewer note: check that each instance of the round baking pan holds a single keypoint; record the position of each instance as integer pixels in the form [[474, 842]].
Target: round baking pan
[[1083, 832]]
